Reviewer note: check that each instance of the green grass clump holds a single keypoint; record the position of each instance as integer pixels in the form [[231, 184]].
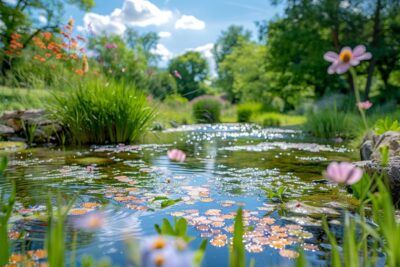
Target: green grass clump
[[95, 113], [207, 110], [246, 110], [330, 123]]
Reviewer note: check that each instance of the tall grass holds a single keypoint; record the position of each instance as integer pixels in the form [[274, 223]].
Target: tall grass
[[99, 113], [330, 122]]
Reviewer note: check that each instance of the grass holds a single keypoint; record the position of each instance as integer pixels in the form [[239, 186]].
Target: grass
[[95, 113], [20, 98]]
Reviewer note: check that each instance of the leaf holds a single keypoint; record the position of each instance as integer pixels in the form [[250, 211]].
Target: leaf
[[170, 202], [200, 252], [237, 256], [3, 164], [362, 188], [166, 228], [301, 260], [335, 257], [158, 229], [181, 227], [160, 198]]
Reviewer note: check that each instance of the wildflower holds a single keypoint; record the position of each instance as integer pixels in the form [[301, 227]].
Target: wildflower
[[171, 254], [110, 46], [85, 64], [177, 75], [364, 105], [347, 58], [343, 172], [176, 155], [90, 222], [70, 24]]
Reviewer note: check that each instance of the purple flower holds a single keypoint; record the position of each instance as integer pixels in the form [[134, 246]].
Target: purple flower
[[111, 46], [91, 221], [343, 173], [157, 251], [347, 58], [176, 155], [364, 105]]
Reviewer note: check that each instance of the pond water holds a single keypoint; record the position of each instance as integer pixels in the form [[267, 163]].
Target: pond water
[[226, 167]]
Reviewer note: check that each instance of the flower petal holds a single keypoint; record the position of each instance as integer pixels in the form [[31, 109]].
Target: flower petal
[[365, 56], [331, 56], [359, 50], [342, 68], [354, 176]]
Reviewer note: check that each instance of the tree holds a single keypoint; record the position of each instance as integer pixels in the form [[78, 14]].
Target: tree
[[233, 37], [161, 84], [22, 18], [143, 44], [191, 70]]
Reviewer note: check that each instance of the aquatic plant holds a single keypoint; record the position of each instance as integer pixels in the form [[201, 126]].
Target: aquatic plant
[[207, 110], [237, 255], [275, 194], [176, 155], [97, 113], [178, 230], [6, 208]]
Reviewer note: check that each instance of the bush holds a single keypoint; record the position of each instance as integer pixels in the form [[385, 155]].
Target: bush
[[330, 122], [207, 110], [95, 113], [271, 122], [246, 110]]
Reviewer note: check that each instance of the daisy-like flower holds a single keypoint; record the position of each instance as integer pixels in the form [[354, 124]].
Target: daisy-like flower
[[343, 173], [176, 155], [347, 58], [160, 251], [364, 105]]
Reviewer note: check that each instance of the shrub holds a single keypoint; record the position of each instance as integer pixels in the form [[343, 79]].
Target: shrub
[[97, 114], [330, 122], [207, 110], [246, 110], [271, 122]]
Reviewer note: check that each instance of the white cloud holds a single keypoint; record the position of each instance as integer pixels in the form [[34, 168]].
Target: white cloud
[[103, 24], [42, 19], [11, 2], [140, 13], [163, 52], [164, 34], [189, 23], [206, 52]]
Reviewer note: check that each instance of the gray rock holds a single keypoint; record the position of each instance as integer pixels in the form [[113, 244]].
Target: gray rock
[[366, 150], [5, 130]]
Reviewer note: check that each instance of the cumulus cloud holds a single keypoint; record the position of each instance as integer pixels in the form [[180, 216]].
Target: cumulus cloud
[[206, 52], [139, 13], [189, 23], [164, 34], [42, 19], [162, 51]]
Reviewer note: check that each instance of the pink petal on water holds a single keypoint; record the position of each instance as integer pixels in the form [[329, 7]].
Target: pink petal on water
[[359, 50], [331, 56]]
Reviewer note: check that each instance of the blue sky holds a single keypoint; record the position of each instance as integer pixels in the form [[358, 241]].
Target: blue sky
[[184, 24]]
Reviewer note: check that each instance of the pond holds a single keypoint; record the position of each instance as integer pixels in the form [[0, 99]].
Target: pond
[[227, 165]]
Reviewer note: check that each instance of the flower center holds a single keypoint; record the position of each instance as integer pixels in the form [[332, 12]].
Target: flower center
[[159, 243], [159, 260], [345, 56]]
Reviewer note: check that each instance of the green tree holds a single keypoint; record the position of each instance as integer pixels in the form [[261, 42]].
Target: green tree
[[22, 17], [143, 44], [233, 37], [193, 71], [161, 84]]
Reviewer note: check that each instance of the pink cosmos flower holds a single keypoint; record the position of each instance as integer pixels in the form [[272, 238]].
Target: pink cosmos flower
[[177, 75], [347, 58], [176, 155], [110, 46], [364, 105], [343, 173], [91, 221]]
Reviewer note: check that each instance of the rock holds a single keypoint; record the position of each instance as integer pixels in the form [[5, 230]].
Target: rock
[[174, 124], [366, 150], [14, 123], [158, 126], [33, 114], [5, 130]]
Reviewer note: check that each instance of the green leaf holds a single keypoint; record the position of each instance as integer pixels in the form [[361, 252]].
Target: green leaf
[[3, 164], [181, 227], [170, 202], [166, 228], [237, 256], [362, 188], [200, 252], [160, 198], [158, 229]]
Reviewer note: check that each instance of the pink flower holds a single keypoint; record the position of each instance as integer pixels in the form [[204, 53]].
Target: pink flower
[[176, 155], [177, 75], [364, 105], [90, 168], [90, 222], [110, 46], [347, 58], [343, 172]]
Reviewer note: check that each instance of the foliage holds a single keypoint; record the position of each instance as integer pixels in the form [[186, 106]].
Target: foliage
[[386, 124], [99, 113], [237, 255], [207, 110], [179, 230], [193, 70], [275, 194], [162, 85], [3, 164], [246, 110], [329, 123], [5, 214]]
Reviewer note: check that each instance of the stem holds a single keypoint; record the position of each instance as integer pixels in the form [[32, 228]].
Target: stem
[[358, 99]]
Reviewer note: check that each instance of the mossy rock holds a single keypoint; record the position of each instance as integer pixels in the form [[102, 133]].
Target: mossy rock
[[91, 160], [10, 146]]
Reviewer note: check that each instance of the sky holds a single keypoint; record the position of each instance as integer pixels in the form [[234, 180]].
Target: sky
[[181, 24]]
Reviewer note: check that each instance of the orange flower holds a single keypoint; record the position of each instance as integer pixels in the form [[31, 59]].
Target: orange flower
[[79, 72]]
